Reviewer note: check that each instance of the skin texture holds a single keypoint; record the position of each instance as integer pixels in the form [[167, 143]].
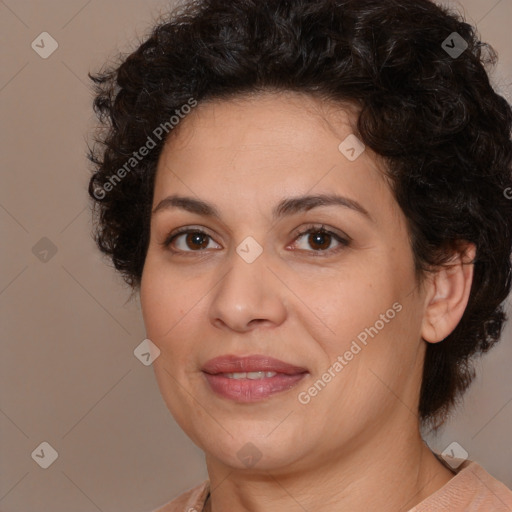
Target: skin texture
[[356, 444]]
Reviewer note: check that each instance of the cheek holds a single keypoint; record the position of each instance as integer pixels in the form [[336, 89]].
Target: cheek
[[368, 310], [350, 301], [159, 301], [164, 312], [171, 307]]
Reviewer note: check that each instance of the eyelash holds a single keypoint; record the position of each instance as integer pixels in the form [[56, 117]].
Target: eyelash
[[318, 229]]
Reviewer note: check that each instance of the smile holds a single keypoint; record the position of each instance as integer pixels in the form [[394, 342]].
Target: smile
[[249, 375], [251, 386]]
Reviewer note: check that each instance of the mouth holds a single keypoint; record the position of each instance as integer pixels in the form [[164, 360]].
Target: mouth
[[251, 378], [249, 375]]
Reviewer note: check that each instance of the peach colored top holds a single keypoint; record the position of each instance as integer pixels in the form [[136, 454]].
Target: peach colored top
[[472, 489]]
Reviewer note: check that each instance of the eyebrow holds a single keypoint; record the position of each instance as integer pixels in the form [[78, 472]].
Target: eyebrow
[[286, 207]]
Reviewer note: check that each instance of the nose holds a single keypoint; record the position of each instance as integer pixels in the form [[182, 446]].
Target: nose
[[248, 296]]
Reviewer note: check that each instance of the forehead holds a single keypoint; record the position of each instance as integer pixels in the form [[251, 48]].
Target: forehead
[[277, 120], [269, 145]]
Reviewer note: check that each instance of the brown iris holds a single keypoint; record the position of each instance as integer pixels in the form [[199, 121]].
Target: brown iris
[[192, 239], [317, 238]]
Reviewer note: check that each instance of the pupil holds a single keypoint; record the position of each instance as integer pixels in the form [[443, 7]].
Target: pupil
[[195, 239], [318, 237]]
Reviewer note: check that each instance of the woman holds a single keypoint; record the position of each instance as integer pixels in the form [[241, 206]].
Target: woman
[[310, 199]]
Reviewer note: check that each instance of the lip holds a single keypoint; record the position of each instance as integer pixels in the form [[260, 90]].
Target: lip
[[256, 363], [251, 390]]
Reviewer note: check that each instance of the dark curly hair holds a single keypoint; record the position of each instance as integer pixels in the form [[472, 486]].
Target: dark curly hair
[[432, 115]]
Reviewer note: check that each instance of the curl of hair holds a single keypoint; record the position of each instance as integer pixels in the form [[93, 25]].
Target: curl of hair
[[442, 130]]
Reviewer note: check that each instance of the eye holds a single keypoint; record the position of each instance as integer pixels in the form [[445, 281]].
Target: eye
[[320, 239], [195, 240]]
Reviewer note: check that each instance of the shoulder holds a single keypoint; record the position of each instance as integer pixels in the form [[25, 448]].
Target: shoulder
[[472, 489], [190, 501]]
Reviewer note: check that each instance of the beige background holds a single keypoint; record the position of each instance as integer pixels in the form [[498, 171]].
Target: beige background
[[68, 375]]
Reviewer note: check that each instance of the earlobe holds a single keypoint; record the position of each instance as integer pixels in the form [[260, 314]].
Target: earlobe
[[448, 294]]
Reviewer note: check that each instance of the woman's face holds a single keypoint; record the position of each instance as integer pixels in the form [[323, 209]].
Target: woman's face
[[343, 308]]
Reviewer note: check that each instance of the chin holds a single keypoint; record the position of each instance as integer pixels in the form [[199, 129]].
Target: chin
[[252, 452]]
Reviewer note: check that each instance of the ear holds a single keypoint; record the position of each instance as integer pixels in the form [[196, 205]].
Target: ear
[[447, 295]]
